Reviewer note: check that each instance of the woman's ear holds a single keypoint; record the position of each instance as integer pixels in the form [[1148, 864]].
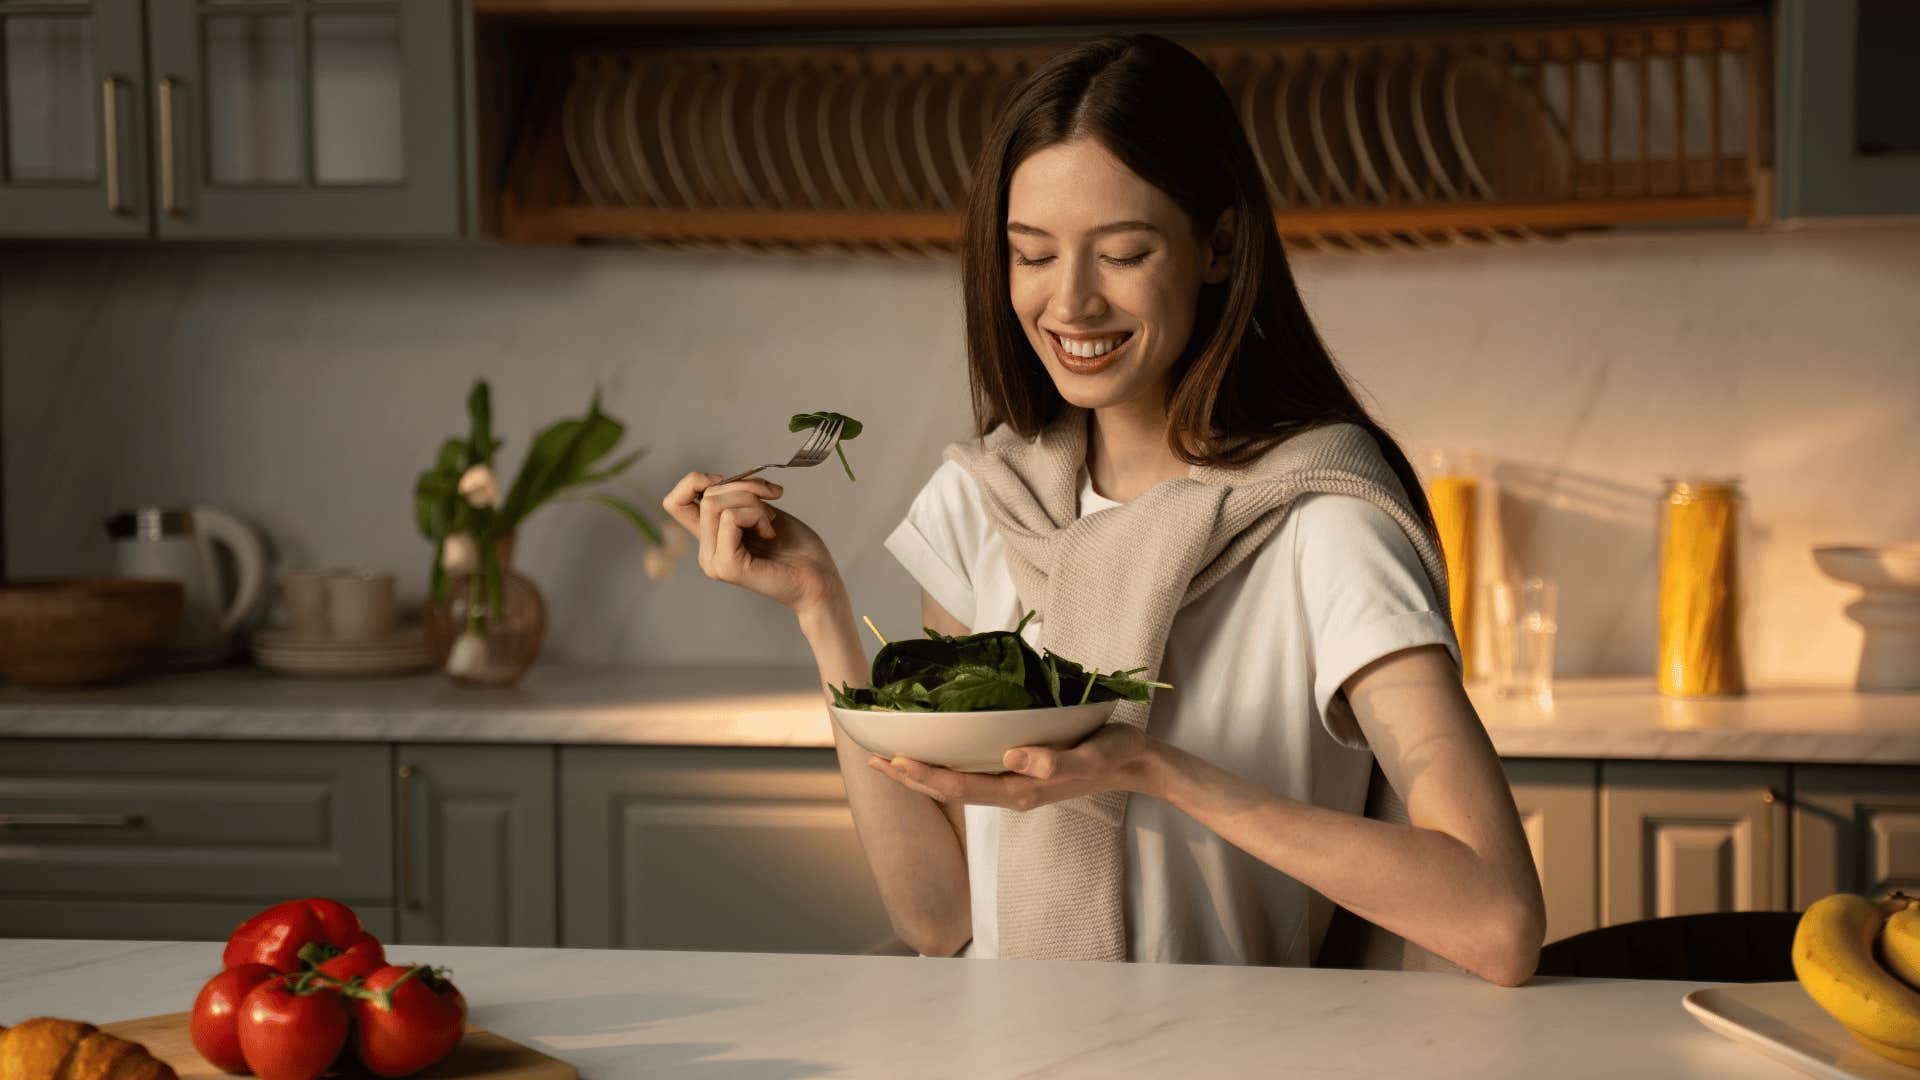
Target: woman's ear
[[1219, 253]]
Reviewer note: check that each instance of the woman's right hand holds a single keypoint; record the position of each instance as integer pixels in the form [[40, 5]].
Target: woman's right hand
[[743, 541]]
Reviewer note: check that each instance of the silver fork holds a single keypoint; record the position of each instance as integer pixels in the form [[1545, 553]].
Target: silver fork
[[812, 452]]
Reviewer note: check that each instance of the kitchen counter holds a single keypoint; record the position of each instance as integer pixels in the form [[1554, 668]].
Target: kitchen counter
[[700, 706], [775, 706], [754, 1015]]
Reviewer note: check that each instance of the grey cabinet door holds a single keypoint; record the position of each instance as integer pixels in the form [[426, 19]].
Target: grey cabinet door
[[475, 845], [1856, 829], [1559, 803], [697, 848], [73, 133], [1678, 838], [284, 118], [1847, 135], [122, 821]]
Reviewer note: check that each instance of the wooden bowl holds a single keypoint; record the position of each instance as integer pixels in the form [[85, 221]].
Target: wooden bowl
[[73, 631]]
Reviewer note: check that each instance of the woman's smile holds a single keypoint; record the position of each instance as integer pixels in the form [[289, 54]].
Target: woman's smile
[[1088, 364]]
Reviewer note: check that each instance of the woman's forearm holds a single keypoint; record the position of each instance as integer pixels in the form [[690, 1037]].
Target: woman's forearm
[[1422, 884], [917, 860]]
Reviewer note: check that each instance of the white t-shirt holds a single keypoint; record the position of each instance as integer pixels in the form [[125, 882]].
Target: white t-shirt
[[1254, 663]]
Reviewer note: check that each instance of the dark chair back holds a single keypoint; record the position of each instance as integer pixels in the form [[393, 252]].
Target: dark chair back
[[1721, 946]]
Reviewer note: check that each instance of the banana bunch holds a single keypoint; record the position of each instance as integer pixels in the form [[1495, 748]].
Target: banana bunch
[[1859, 959]]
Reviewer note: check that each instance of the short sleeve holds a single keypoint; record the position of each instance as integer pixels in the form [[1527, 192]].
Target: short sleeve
[[939, 542], [1365, 595]]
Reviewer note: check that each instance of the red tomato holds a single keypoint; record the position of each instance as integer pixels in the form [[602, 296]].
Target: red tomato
[[215, 1025], [362, 958], [276, 936], [417, 1024], [288, 1036]]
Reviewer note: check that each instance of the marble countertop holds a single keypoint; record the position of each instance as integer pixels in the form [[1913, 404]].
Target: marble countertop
[[703, 706], [758, 1016], [1627, 718], [762, 706]]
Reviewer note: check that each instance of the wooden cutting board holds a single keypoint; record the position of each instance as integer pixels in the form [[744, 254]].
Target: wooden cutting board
[[481, 1054]]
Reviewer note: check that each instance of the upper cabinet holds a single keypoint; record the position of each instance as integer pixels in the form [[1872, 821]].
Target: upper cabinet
[[247, 119], [73, 135], [1847, 132]]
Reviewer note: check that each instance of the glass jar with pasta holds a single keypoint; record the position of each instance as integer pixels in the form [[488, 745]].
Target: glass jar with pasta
[[1699, 588]]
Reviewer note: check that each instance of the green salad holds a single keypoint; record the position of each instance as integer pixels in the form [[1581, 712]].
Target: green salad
[[995, 669]]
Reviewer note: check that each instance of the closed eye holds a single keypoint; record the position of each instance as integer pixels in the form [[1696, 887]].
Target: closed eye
[[1022, 260]]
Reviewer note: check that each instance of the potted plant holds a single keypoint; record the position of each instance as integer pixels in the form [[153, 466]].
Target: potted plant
[[484, 622]]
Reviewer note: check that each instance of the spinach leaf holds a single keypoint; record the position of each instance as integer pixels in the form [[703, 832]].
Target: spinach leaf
[[849, 429], [994, 669]]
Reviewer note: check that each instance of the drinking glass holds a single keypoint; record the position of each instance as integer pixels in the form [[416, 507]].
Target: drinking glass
[[1521, 617]]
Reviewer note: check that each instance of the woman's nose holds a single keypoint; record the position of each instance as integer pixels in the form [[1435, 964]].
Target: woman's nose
[[1077, 298]]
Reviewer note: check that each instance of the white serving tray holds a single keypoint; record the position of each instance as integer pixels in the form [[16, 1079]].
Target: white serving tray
[[1779, 1020]]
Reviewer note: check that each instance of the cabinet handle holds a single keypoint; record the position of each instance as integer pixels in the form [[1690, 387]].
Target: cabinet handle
[[1768, 802], [110, 119], [71, 821], [169, 193], [408, 902]]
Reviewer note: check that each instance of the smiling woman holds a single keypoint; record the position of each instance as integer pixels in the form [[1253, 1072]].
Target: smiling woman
[[1172, 471]]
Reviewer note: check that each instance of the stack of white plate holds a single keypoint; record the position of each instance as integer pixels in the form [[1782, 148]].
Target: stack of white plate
[[284, 651]]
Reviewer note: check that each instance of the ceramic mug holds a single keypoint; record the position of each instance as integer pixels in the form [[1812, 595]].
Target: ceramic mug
[[305, 592], [360, 605]]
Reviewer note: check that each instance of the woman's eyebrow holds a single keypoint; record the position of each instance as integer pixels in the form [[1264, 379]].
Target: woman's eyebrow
[[1098, 230]]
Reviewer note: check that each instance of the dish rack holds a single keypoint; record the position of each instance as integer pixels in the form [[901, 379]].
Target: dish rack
[[1365, 143]]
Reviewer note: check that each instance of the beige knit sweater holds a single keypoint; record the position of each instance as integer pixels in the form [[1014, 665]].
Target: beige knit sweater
[[1107, 587]]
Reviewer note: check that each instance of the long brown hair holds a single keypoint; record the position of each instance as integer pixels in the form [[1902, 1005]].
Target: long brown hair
[[1254, 371]]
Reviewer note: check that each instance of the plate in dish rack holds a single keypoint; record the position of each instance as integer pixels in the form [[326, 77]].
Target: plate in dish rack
[[1779, 1020]]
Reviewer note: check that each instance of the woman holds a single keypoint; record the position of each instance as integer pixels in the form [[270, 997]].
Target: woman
[[1172, 470]]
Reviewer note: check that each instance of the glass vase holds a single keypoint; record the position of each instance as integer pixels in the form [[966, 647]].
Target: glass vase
[[507, 641]]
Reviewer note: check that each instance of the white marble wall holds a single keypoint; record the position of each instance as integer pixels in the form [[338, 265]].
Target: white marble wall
[[303, 389]]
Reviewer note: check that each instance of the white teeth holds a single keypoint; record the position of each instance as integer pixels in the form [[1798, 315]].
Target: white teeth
[[1087, 350]]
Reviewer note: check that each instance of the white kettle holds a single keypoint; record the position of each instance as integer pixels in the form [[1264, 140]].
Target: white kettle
[[156, 542]]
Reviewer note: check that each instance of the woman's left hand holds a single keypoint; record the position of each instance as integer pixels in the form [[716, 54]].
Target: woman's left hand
[[1115, 758]]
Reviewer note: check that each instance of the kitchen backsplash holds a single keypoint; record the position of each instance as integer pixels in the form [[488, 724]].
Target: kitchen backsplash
[[304, 389]]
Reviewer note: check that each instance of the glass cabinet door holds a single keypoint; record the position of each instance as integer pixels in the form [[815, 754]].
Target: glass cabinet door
[[332, 118], [1847, 139], [72, 128]]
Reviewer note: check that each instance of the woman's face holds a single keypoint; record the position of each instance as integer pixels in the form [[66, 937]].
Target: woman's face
[[1098, 256]]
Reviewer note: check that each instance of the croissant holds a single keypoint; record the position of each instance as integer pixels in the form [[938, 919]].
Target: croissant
[[48, 1049]]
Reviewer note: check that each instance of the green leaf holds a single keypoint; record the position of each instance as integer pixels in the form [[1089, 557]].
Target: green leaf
[[561, 457], [619, 466], [975, 689], [437, 577], [1053, 679], [435, 494], [452, 457], [627, 511], [480, 414], [849, 429]]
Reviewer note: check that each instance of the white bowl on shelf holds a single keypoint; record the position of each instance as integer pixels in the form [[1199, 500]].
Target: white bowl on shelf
[[970, 741], [1888, 610]]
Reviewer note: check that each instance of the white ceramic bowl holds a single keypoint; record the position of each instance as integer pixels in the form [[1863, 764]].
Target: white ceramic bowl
[[970, 741], [1882, 566]]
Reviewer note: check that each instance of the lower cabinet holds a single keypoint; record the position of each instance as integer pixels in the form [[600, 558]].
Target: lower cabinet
[[1683, 837], [474, 845], [137, 838], [1856, 829], [1559, 804], [698, 848]]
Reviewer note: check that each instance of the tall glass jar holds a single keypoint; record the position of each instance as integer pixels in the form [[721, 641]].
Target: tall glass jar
[[1453, 494], [1699, 608]]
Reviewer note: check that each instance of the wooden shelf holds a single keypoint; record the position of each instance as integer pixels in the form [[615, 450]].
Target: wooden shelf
[[900, 13]]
